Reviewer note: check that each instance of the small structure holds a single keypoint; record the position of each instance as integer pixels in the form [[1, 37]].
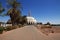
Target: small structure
[[4, 24]]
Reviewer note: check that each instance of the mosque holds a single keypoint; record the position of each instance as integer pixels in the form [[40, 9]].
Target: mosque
[[30, 19]]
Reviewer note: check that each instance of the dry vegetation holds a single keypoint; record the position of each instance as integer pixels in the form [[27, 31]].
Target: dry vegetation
[[47, 29], [9, 28]]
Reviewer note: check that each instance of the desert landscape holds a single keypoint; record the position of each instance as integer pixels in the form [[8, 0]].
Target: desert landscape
[[29, 20], [32, 32], [49, 29]]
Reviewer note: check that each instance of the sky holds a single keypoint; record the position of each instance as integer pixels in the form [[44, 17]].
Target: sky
[[42, 10]]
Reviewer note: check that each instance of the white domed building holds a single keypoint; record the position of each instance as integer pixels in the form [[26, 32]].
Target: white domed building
[[30, 19]]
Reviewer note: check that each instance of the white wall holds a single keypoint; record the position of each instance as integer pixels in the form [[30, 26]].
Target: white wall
[[4, 25]]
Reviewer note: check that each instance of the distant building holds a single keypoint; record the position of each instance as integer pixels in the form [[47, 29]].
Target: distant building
[[30, 19], [4, 24], [1, 23]]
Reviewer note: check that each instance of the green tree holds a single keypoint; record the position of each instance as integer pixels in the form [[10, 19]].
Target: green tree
[[48, 23], [14, 12], [24, 20]]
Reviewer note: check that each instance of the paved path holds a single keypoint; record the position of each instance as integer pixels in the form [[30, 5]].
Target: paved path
[[26, 33]]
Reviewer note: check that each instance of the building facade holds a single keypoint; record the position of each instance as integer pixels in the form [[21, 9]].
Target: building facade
[[30, 19]]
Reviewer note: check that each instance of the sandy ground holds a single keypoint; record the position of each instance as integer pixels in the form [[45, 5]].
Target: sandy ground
[[54, 29], [28, 33]]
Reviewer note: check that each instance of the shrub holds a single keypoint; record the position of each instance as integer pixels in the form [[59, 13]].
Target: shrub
[[20, 25], [1, 30], [8, 28], [14, 27], [46, 26]]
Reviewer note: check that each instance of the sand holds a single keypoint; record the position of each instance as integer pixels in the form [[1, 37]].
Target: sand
[[28, 33]]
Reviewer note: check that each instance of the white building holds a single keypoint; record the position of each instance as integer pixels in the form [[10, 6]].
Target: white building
[[5, 25], [30, 19]]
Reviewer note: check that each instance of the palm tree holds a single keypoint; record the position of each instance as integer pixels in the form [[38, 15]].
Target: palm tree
[[13, 12]]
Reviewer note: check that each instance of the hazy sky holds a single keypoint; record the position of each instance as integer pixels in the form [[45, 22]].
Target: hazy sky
[[42, 10]]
